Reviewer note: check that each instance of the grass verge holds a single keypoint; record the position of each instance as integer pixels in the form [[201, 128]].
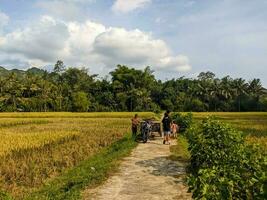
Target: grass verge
[[5, 196], [88, 173], [180, 151]]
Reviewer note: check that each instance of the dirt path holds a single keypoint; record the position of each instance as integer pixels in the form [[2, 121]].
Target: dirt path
[[147, 174]]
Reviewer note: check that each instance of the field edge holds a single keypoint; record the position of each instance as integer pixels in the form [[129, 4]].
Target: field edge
[[89, 173]]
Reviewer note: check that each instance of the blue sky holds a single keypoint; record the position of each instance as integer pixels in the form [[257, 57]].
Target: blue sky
[[175, 37]]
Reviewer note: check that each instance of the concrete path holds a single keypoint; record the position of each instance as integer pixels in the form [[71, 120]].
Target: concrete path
[[147, 174]]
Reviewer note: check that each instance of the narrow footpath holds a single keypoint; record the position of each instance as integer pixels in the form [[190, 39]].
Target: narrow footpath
[[147, 174]]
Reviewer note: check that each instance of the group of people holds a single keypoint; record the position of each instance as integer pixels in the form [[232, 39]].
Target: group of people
[[170, 128]]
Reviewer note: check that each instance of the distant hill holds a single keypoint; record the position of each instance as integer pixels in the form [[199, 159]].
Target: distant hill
[[21, 73], [35, 70], [3, 71]]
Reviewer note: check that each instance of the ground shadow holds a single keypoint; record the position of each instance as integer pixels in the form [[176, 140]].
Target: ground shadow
[[163, 166]]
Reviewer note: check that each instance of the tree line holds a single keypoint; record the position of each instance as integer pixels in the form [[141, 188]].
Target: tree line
[[126, 89]]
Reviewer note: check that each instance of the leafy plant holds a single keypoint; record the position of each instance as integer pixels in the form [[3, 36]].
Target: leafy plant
[[222, 165], [183, 120]]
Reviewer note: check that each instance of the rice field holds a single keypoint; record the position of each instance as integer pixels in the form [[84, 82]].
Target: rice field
[[38, 115], [36, 147], [252, 124]]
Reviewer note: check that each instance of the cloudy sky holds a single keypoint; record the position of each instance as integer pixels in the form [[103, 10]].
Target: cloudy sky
[[175, 37]]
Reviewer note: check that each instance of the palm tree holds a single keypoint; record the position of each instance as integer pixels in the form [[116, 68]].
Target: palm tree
[[240, 88], [226, 89], [205, 91], [256, 90], [45, 88], [215, 92], [13, 91]]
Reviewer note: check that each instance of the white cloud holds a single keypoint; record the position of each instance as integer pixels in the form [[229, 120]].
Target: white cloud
[[176, 63], [79, 46], [87, 44], [42, 40], [3, 20], [117, 45], [125, 6]]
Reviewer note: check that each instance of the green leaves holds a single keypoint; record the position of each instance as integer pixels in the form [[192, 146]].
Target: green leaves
[[184, 121], [222, 165]]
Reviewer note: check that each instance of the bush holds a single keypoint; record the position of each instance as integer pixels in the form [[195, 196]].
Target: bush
[[263, 104], [223, 166], [183, 120], [80, 102], [196, 105]]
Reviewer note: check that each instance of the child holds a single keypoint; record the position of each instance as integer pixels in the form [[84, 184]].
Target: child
[[174, 129]]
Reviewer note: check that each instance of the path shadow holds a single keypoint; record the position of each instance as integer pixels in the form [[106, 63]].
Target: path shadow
[[163, 166], [153, 142]]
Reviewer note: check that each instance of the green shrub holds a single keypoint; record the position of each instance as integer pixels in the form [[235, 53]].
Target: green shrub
[[183, 120], [81, 102], [223, 166]]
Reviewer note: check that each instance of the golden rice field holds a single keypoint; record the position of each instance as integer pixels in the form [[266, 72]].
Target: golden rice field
[[38, 115], [252, 124], [36, 147]]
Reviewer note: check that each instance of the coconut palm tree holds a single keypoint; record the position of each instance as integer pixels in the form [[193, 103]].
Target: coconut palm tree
[[240, 88], [226, 88], [255, 88]]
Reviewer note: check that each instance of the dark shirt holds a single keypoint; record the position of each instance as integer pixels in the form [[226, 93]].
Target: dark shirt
[[166, 121]]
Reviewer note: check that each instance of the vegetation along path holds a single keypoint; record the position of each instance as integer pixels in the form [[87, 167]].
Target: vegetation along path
[[148, 173]]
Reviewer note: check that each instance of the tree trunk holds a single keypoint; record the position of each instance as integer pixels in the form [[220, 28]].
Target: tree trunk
[[239, 102], [131, 104]]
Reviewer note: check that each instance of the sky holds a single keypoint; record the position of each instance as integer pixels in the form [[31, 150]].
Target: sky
[[174, 37]]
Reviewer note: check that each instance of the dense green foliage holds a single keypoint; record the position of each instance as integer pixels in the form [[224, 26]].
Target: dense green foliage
[[183, 120], [223, 166], [126, 89]]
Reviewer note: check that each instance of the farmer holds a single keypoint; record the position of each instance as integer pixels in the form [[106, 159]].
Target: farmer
[[166, 122], [135, 123]]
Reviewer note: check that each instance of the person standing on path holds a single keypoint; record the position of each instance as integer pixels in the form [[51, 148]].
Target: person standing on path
[[166, 122], [135, 123], [174, 129]]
